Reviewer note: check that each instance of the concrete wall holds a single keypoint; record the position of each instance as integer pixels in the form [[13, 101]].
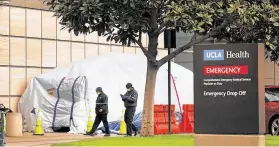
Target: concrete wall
[[271, 73]]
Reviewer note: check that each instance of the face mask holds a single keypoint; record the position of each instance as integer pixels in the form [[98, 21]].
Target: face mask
[[128, 89], [98, 93]]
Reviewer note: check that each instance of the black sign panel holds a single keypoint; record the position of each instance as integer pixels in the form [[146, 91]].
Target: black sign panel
[[226, 89]]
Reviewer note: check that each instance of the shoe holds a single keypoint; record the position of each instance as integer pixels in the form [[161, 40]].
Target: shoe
[[93, 134], [87, 133], [106, 135], [136, 133]]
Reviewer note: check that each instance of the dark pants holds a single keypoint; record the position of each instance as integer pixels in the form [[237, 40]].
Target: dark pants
[[98, 119], [128, 118]]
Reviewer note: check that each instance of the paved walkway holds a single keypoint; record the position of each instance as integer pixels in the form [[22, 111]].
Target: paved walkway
[[49, 138]]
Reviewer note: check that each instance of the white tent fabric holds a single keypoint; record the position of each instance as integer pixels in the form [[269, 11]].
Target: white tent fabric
[[111, 72]]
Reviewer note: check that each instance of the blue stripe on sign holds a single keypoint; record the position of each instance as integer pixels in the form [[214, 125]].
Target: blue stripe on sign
[[213, 55]]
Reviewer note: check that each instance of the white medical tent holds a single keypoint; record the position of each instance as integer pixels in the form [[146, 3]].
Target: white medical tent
[[65, 95]]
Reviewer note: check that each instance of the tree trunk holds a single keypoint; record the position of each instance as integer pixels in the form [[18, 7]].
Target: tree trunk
[[147, 126]]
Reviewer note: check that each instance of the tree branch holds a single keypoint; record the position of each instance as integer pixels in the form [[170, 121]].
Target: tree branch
[[158, 30], [193, 42], [162, 30], [153, 19], [194, 37], [148, 27], [145, 52]]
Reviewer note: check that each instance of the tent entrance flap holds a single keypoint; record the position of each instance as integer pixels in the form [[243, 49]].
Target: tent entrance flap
[[69, 93], [79, 83], [56, 104]]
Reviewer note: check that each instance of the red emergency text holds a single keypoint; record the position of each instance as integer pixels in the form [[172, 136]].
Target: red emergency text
[[225, 70]]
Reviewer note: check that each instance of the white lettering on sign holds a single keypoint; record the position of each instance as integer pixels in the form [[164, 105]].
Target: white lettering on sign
[[231, 93], [226, 70], [213, 55], [240, 54], [224, 94], [242, 93], [214, 94], [223, 70]]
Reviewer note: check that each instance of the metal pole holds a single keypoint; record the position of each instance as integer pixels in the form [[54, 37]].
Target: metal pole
[[169, 81]]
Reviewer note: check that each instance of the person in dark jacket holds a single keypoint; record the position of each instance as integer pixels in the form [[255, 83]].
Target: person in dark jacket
[[130, 102], [101, 110]]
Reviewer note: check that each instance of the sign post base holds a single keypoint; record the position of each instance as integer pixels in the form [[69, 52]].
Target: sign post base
[[229, 140]]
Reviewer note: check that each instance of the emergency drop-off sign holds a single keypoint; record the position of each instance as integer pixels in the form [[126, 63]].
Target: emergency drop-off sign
[[229, 89]]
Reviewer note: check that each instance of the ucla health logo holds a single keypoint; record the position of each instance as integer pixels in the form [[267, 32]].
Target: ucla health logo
[[213, 55]]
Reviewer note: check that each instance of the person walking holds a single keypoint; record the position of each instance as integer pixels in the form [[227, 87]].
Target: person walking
[[130, 102], [101, 110]]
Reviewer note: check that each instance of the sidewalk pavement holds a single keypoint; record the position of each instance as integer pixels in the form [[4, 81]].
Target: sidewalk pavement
[[28, 139]]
